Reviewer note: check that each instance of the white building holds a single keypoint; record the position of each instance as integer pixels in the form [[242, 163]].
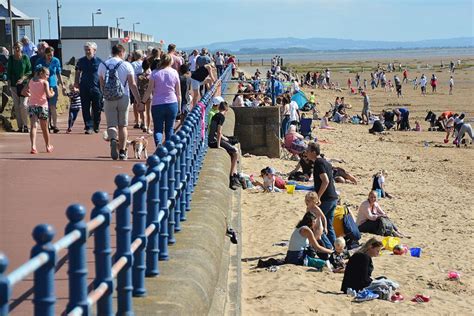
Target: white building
[[74, 37]]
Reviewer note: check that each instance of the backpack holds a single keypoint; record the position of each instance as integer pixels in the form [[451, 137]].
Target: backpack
[[351, 231], [113, 88]]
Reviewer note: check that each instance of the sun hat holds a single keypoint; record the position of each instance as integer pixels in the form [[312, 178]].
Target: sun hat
[[217, 100]]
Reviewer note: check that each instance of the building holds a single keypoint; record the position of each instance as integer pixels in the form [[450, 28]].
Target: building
[[74, 37], [23, 25]]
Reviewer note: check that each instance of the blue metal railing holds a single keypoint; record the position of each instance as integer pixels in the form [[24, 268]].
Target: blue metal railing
[[157, 197]]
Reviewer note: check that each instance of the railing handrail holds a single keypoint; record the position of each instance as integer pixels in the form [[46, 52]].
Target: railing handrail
[[45, 255]]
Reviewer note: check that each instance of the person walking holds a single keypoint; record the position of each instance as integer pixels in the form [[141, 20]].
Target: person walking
[[138, 113], [18, 71], [117, 79], [39, 53], [87, 81], [398, 85], [219, 64], [365, 108], [451, 85], [54, 66], [29, 49], [177, 59], [165, 86], [324, 186]]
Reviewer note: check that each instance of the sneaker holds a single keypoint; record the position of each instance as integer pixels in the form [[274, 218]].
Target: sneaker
[[136, 126], [144, 129], [88, 131], [113, 149], [142, 126], [68, 131], [25, 129], [123, 155], [365, 295], [96, 130], [55, 130], [234, 182]]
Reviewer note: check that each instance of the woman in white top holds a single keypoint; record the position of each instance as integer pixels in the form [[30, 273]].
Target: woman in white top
[[294, 112], [372, 219]]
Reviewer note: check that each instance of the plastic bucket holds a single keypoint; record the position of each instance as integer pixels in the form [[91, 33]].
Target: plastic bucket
[[415, 252], [290, 188], [390, 242]]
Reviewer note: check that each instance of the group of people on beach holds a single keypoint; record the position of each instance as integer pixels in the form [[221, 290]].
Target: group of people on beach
[[160, 86]]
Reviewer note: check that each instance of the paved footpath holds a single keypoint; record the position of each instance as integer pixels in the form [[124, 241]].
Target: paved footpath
[[38, 188]]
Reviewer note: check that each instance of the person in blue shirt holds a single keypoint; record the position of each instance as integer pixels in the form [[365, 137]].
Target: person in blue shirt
[[54, 66], [29, 49], [403, 123], [87, 80]]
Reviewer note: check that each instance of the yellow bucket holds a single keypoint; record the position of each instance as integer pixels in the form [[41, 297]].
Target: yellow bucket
[[390, 242], [290, 188]]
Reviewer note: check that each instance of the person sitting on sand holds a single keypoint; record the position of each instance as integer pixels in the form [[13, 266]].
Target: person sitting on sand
[[378, 183], [312, 205], [338, 257], [388, 119], [324, 124], [358, 272], [294, 141], [372, 219], [306, 166]]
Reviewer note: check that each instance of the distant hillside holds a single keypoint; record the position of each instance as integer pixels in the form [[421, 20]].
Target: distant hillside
[[297, 45]]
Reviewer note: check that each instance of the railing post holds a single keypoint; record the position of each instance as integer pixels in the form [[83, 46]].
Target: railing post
[[77, 259], [153, 208], [184, 178], [189, 157], [139, 226], [102, 253], [273, 90], [177, 171], [123, 230], [171, 190], [162, 152], [5, 288], [44, 297]]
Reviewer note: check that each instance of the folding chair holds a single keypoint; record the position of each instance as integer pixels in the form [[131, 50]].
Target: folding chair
[[305, 127]]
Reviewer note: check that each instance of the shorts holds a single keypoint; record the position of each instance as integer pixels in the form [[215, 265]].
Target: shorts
[[116, 112], [365, 111], [38, 112], [227, 146], [338, 172], [196, 84]]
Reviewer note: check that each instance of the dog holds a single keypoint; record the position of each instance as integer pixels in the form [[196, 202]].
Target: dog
[[139, 146]]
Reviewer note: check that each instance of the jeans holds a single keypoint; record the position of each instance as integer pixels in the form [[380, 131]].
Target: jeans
[[220, 70], [285, 124], [72, 117], [91, 99], [163, 114], [328, 208]]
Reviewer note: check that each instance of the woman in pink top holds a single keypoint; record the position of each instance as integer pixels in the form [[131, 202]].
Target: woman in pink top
[[165, 87], [372, 219], [38, 91]]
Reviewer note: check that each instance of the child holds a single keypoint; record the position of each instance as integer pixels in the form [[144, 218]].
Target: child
[[417, 126], [74, 106], [378, 184], [144, 112], [218, 140], [38, 91], [415, 83], [312, 205], [451, 85], [269, 180], [336, 259], [324, 124]]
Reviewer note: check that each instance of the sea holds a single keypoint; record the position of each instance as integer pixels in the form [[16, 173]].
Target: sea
[[366, 55]]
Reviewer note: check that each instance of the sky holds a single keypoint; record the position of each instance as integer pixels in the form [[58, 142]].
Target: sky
[[198, 22]]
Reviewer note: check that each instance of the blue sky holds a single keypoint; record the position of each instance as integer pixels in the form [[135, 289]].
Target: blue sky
[[196, 22]]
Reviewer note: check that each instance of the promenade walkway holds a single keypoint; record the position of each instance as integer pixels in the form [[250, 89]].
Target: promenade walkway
[[38, 188]]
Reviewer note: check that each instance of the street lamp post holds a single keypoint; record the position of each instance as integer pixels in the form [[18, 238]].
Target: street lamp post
[[49, 24], [120, 18], [94, 13], [58, 6], [133, 26]]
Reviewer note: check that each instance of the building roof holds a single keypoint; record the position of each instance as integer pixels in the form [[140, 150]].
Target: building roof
[[16, 14]]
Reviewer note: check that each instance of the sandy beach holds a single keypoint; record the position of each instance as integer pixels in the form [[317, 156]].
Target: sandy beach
[[434, 205]]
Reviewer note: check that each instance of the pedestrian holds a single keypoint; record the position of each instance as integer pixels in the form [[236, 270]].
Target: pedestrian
[[423, 82], [117, 79], [398, 85], [29, 49], [18, 71], [405, 76], [365, 108], [325, 188], [54, 79], [87, 81], [74, 106], [451, 85], [177, 60], [219, 64], [192, 61], [185, 85], [39, 53], [165, 86], [139, 116], [327, 76], [38, 91], [142, 83], [434, 83], [198, 78]]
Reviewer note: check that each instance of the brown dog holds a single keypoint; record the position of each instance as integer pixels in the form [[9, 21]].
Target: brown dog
[[139, 146]]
